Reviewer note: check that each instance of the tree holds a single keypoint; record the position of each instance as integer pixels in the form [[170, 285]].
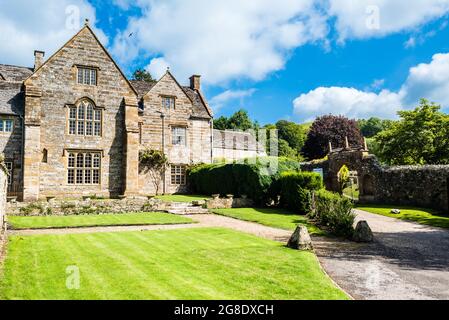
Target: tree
[[143, 75], [285, 150], [154, 162], [373, 126], [332, 129], [343, 178], [238, 121], [420, 137], [292, 133], [221, 123]]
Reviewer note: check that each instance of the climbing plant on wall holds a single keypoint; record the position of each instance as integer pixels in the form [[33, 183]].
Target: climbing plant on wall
[[154, 163]]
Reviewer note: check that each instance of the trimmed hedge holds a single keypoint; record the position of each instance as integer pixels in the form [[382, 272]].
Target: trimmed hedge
[[334, 212], [295, 188], [253, 180]]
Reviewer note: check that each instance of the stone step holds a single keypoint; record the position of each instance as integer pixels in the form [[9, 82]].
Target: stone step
[[187, 211]]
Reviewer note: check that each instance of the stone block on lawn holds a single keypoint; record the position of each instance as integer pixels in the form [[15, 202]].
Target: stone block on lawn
[[300, 239], [395, 211], [363, 232]]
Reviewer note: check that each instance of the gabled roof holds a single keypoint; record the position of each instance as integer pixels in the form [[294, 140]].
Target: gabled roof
[[14, 73], [100, 44], [11, 98], [142, 87]]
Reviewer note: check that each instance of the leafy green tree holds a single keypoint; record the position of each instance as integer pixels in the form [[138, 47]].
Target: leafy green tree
[[420, 137], [332, 129], [373, 126], [292, 133], [285, 150], [221, 123], [240, 121], [343, 178], [143, 75]]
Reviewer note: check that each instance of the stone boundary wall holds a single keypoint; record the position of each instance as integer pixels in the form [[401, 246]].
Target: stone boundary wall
[[87, 206], [3, 193], [421, 186]]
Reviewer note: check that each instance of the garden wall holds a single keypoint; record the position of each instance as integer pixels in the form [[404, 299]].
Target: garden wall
[[87, 206], [422, 186]]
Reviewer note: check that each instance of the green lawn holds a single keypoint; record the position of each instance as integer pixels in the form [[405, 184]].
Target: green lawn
[[277, 218], [178, 264], [420, 215], [154, 218], [182, 198]]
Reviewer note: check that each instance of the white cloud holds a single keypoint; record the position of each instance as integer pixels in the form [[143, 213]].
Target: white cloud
[[218, 101], [158, 67], [40, 25], [222, 40], [358, 18], [430, 81]]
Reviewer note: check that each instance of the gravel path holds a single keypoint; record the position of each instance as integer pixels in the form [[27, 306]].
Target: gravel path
[[406, 261]]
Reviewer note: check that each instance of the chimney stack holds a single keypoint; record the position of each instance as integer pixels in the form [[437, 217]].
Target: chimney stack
[[195, 82], [38, 59]]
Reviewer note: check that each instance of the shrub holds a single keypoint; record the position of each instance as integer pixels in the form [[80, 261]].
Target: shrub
[[294, 189], [253, 177], [333, 212]]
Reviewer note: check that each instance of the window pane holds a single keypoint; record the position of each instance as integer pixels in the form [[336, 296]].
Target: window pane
[[90, 112], [2, 125], [96, 177], [97, 128], [72, 127], [93, 77], [8, 125], [72, 114], [88, 176], [88, 160], [97, 115], [71, 160], [81, 127], [81, 113], [79, 176], [71, 176], [86, 76], [96, 160], [88, 128], [80, 76], [80, 160]]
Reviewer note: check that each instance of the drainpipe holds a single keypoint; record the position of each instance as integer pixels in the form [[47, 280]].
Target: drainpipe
[[164, 184], [211, 140], [22, 155]]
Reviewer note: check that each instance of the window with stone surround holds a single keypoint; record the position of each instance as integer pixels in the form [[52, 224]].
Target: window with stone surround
[[6, 125], [178, 175], [9, 167], [87, 76], [84, 168], [85, 119], [178, 136], [168, 102]]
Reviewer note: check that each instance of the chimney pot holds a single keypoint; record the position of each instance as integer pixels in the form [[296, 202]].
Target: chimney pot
[[195, 82], [38, 59]]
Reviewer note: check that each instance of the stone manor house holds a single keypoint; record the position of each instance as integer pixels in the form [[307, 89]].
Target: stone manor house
[[74, 125]]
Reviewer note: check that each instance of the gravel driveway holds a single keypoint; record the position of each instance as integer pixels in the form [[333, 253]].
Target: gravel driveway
[[406, 261]]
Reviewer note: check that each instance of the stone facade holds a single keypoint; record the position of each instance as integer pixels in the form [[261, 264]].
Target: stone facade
[[236, 145], [133, 118], [423, 186], [3, 190]]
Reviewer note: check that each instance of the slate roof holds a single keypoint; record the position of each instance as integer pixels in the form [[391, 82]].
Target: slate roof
[[11, 98], [236, 140], [199, 108], [14, 73]]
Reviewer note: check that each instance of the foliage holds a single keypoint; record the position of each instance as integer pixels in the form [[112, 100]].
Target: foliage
[[291, 137], [369, 128], [252, 178], [295, 187], [332, 129], [238, 121], [333, 212], [143, 75], [343, 178], [420, 137], [154, 162], [271, 217], [32, 208]]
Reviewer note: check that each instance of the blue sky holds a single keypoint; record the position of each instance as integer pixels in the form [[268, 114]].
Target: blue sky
[[283, 59]]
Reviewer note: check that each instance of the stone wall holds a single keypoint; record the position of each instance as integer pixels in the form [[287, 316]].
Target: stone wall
[[422, 186], [228, 203], [86, 206]]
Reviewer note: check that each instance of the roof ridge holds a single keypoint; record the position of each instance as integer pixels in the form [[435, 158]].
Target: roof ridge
[[15, 66]]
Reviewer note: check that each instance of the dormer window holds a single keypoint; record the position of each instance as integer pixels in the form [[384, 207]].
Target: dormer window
[[168, 103], [87, 76]]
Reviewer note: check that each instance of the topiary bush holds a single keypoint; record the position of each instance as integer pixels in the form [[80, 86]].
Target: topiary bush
[[333, 212], [294, 189]]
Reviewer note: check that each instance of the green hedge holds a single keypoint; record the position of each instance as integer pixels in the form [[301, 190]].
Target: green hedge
[[253, 180], [294, 189], [334, 212]]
